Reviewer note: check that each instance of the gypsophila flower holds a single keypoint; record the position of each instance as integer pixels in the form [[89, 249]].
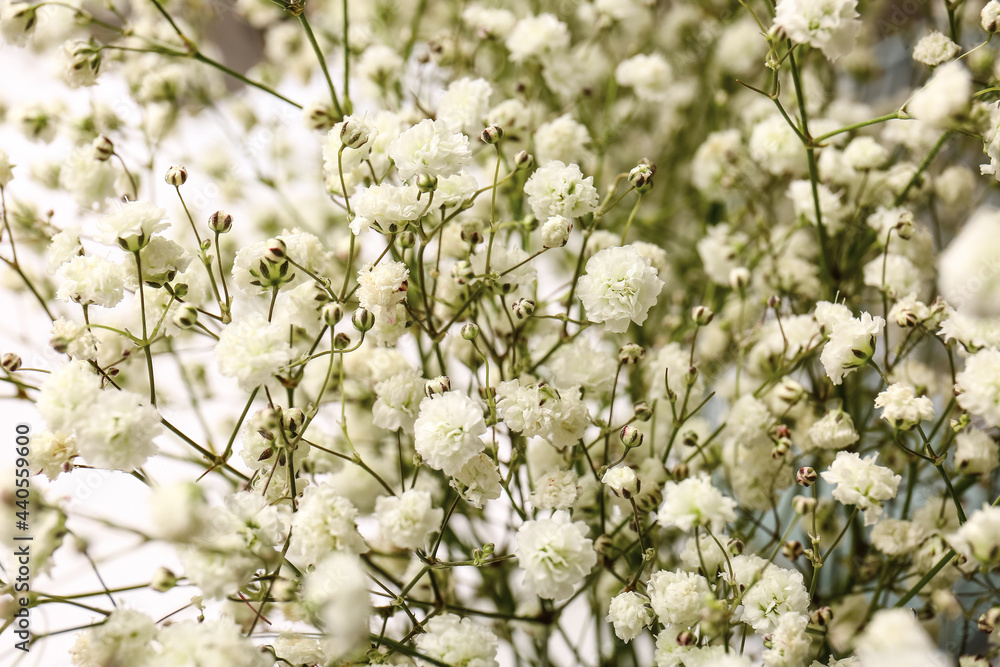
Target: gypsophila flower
[[896, 537], [560, 189], [630, 614], [558, 416], [902, 408], [976, 452], [6, 169], [124, 638], [895, 637], [862, 483], [406, 520], [772, 593], [831, 26], [945, 97], [649, 75], [458, 641], [790, 644], [336, 594], [979, 385], [678, 598], [117, 431], [213, 642], [447, 431], [619, 287], [489, 22], [935, 48], [464, 104], [478, 481], [990, 16], [563, 139], [398, 400], [535, 36], [556, 490], [387, 207], [323, 523], [131, 226], [54, 452], [622, 480], [835, 430], [555, 554], [695, 502], [430, 148], [851, 345], [91, 280], [252, 350], [978, 539], [382, 285]]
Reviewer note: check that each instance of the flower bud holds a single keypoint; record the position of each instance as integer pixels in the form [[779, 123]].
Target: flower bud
[[102, 148], [492, 134], [803, 505], [363, 320], [523, 160], [989, 17], [438, 385], [462, 271], [631, 354], [904, 226], [641, 176], [176, 176], [406, 239], [686, 638], [276, 251], [220, 222], [739, 278], [470, 331], [680, 472], [774, 302], [471, 233], [792, 549], [736, 546], [318, 116], [332, 314], [341, 341], [186, 316], [821, 616], [642, 410], [692, 376], [523, 308], [11, 362], [630, 436], [702, 315], [293, 419], [353, 134], [163, 580], [427, 182], [806, 476], [988, 621], [789, 391], [555, 232], [622, 481]]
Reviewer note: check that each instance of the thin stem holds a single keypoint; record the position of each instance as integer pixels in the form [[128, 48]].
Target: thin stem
[[145, 340], [322, 62]]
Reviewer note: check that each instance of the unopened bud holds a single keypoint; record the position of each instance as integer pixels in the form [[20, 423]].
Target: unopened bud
[[702, 315], [555, 232], [736, 546], [471, 233], [806, 476], [220, 222], [631, 353], [406, 239], [523, 308], [739, 278], [438, 385], [163, 580], [821, 616], [276, 251], [186, 316], [774, 302], [803, 505], [427, 182], [630, 436], [332, 313], [680, 472], [692, 376], [492, 134], [353, 134], [470, 331], [363, 319], [523, 160], [11, 362], [686, 638], [462, 271], [988, 621], [904, 226], [792, 549], [293, 419], [642, 410], [102, 148], [176, 176], [641, 176], [341, 341], [318, 116]]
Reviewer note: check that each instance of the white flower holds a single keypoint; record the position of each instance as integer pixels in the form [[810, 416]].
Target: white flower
[[447, 431], [489, 22], [695, 502], [990, 16], [82, 63], [619, 287], [945, 97], [117, 431], [252, 350], [559, 189], [828, 314], [777, 593], [406, 520], [776, 146], [555, 232], [53, 452], [968, 273], [790, 643], [650, 76], [17, 21], [705, 552], [804, 204], [976, 453], [215, 642], [902, 408], [935, 48], [578, 364], [430, 148], [630, 614], [831, 26], [834, 431], [458, 641], [864, 153], [336, 594], [131, 226], [862, 483], [388, 207], [381, 65], [979, 384], [382, 285], [464, 104], [536, 36], [894, 274], [563, 139], [978, 539], [323, 523], [622, 480], [678, 598], [67, 394], [555, 554], [895, 537], [478, 481], [124, 638], [541, 410], [851, 346], [398, 399], [555, 490], [719, 251], [91, 280], [179, 511], [894, 638]]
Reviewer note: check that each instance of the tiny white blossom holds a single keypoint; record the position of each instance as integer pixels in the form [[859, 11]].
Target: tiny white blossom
[[696, 502], [458, 641], [852, 345], [619, 287], [560, 189], [630, 614], [678, 598], [406, 520], [555, 554], [902, 408], [831, 26], [979, 389], [431, 148], [862, 483], [935, 48], [447, 431]]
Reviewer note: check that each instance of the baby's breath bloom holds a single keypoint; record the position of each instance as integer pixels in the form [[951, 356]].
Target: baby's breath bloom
[[124, 638], [678, 598], [555, 554], [935, 48], [406, 520], [976, 453], [979, 389], [851, 345], [696, 502], [458, 641], [536, 36], [252, 350], [619, 287], [132, 225], [630, 614], [862, 483], [978, 539], [90, 280], [430, 148], [323, 523], [831, 26], [902, 408], [447, 431], [560, 189]]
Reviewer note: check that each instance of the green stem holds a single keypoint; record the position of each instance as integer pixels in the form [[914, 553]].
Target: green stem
[[322, 62]]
